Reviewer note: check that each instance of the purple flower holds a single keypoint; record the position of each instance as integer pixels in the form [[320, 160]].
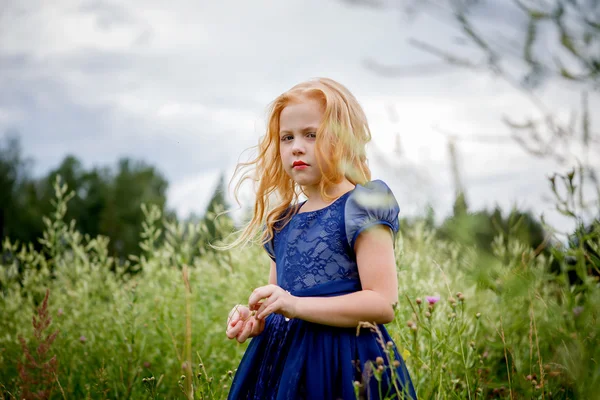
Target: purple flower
[[82, 339], [577, 310], [432, 299]]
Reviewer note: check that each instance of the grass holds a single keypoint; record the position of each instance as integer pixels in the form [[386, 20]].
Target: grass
[[502, 328]]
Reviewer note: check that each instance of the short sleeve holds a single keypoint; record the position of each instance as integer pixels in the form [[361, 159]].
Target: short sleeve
[[270, 248], [368, 205]]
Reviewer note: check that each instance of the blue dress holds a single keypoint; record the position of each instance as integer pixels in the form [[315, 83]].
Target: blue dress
[[296, 359]]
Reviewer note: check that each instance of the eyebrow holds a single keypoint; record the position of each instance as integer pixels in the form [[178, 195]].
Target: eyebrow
[[307, 129]]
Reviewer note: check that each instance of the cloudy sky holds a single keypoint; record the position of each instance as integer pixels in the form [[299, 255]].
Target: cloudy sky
[[184, 86]]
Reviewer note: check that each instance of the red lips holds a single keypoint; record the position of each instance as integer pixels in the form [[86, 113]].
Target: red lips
[[299, 163]]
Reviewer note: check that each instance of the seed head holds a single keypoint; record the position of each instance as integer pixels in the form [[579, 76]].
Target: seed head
[[419, 301], [379, 360]]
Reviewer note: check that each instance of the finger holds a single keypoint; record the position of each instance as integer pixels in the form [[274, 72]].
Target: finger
[[235, 327], [259, 294], [261, 324], [243, 335], [233, 314], [258, 327], [273, 298], [233, 331], [244, 313], [268, 310]]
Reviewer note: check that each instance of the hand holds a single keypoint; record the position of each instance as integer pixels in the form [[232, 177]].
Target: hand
[[276, 301], [241, 324]]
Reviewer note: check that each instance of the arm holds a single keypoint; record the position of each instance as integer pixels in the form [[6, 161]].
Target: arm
[[377, 269], [273, 273]]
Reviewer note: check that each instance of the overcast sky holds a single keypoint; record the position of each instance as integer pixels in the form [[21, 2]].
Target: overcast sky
[[184, 85]]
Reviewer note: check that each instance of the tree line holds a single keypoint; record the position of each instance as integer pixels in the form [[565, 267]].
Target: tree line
[[106, 201]]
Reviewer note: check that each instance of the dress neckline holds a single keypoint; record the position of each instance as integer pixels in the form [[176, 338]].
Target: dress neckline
[[323, 208]]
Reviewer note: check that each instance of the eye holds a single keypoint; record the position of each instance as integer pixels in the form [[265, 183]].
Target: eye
[[286, 138], [312, 135]]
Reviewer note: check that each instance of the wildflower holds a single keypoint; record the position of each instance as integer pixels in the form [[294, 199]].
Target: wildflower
[[478, 315], [405, 354], [427, 314], [379, 360], [419, 301], [414, 327], [432, 299], [577, 310], [60, 312], [410, 323], [230, 372], [396, 363], [82, 339], [147, 364], [390, 344], [460, 296]]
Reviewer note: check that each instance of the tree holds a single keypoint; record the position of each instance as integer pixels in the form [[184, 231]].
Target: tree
[[14, 183], [121, 218], [557, 42]]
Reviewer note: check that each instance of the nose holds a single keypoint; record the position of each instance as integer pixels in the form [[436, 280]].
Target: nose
[[297, 147]]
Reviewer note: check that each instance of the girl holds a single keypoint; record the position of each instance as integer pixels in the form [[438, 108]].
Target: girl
[[332, 258]]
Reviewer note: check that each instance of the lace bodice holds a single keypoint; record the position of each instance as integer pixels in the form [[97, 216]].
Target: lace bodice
[[317, 247]]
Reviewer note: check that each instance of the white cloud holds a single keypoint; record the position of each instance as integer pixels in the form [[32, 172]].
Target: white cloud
[[185, 84]]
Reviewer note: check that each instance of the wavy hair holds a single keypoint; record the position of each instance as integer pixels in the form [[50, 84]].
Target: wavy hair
[[339, 149]]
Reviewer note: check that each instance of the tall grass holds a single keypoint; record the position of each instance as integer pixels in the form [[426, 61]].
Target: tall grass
[[503, 327]]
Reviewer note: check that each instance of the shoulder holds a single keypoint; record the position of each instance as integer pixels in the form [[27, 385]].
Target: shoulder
[[373, 196], [370, 204]]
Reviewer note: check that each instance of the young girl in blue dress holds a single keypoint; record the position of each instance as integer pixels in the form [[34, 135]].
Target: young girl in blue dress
[[332, 258]]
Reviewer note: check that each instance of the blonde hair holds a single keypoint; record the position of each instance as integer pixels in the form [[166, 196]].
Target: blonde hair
[[339, 147]]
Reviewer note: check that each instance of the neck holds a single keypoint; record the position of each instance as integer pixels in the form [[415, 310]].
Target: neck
[[314, 194]]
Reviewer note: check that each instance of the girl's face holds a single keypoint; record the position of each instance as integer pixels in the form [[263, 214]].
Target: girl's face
[[298, 125]]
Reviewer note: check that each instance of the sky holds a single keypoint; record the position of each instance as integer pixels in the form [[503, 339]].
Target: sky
[[184, 86]]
